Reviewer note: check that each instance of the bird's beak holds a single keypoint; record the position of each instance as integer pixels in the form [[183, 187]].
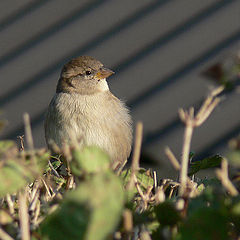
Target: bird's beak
[[103, 73]]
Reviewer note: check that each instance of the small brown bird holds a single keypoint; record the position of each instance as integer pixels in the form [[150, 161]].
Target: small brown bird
[[84, 109]]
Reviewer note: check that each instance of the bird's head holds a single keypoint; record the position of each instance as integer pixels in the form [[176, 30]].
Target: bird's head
[[84, 75]]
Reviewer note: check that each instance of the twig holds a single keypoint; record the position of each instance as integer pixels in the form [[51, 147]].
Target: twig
[[47, 189], [37, 212], [185, 155], [200, 118], [138, 188], [10, 204], [145, 197], [222, 175], [190, 123], [159, 196], [53, 169], [4, 235], [155, 180], [172, 158], [21, 138], [136, 154], [127, 220], [28, 131], [57, 190], [32, 205], [23, 216]]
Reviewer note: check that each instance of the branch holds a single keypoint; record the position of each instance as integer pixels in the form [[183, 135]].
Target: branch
[[191, 122]]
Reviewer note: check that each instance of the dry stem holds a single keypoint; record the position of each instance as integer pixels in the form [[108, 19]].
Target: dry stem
[[222, 175], [190, 123], [172, 158], [136, 154], [23, 216], [4, 235], [10, 204], [21, 138], [127, 220], [28, 131]]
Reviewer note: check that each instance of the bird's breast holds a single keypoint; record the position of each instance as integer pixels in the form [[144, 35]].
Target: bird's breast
[[98, 119]]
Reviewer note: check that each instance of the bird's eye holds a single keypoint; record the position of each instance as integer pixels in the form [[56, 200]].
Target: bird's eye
[[88, 72]]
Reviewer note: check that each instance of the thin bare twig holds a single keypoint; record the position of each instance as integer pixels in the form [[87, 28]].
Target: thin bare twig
[[37, 212], [10, 204], [4, 235], [200, 118], [159, 196], [185, 156], [23, 216], [222, 175], [136, 154], [172, 158], [28, 131], [32, 205], [35, 188], [47, 189], [56, 191], [190, 123], [138, 188], [155, 180], [21, 138], [127, 220], [53, 169]]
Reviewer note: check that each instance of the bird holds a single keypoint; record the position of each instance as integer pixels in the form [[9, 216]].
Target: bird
[[84, 109]]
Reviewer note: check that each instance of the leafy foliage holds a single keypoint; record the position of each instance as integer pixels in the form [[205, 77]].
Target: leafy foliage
[[17, 170], [209, 162], [90, 202]]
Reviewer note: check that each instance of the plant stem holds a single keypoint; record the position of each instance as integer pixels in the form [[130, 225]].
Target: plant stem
[[185, 157]]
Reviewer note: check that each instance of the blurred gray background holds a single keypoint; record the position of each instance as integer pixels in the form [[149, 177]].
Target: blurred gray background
[[158, 50]]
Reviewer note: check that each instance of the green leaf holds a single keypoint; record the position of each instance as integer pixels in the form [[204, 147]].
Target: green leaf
[[89, 160], [207, 224], [209, 162], [235, 213], [17, 170], [212, 197], [40, 161], [91, 212], [145, 180], [144, 177], [13, 177], [167, 214]]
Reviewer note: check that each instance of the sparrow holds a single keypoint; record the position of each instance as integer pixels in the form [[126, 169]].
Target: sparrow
[[84, 109]]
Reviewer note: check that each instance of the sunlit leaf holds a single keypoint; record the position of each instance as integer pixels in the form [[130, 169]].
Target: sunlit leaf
[[207, 224], [90, 212], [89, 160]]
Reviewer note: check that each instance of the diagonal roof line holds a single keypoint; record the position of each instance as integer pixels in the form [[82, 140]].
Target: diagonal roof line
[[19, 130], [22, 12], [183, 71], [220, 142], [152, 137], [10, 95], [49, 31], [172, 34]]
